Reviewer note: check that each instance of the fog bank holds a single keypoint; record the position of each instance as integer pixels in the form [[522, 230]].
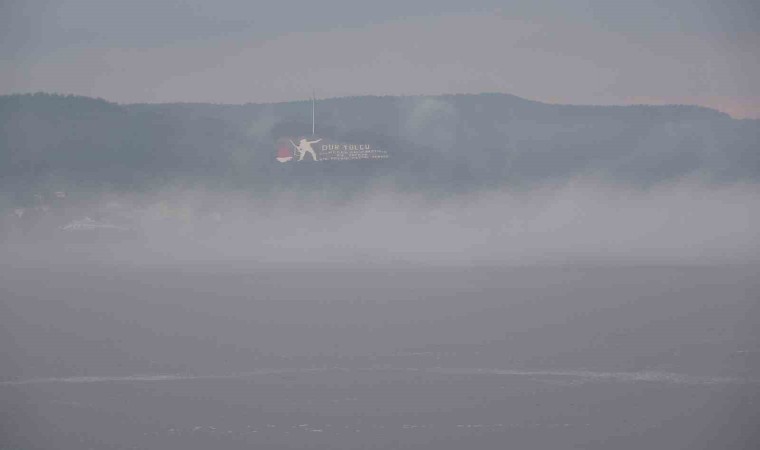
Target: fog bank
[[581, 221]]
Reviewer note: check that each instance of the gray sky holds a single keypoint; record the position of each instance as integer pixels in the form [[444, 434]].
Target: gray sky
[[235, 51]]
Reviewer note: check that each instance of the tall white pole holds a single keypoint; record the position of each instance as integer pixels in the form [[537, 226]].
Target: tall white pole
[[312, 112]]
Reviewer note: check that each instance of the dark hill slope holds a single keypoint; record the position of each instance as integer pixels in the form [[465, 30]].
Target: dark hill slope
[[446, 143]]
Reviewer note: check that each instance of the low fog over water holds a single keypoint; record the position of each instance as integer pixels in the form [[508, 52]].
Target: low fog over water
[[582, 221], [583, 314]]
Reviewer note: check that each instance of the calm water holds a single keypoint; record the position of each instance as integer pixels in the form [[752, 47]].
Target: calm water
[[335, 357]]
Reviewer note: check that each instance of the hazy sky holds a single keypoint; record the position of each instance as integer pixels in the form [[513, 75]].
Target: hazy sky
[[236, 51]]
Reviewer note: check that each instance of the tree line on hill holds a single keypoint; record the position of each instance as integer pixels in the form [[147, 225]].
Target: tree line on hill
[[445, 144]]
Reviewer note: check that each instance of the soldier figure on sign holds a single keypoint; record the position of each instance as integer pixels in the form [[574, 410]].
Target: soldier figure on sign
[[304, 147]]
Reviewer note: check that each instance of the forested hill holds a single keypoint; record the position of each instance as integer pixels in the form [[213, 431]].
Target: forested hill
[[447, 143]]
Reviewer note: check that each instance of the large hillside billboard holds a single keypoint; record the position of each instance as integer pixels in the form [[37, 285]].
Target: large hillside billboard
[[319, 149]]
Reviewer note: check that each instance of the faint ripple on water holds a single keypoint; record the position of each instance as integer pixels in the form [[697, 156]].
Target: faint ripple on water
[[577, 376]]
